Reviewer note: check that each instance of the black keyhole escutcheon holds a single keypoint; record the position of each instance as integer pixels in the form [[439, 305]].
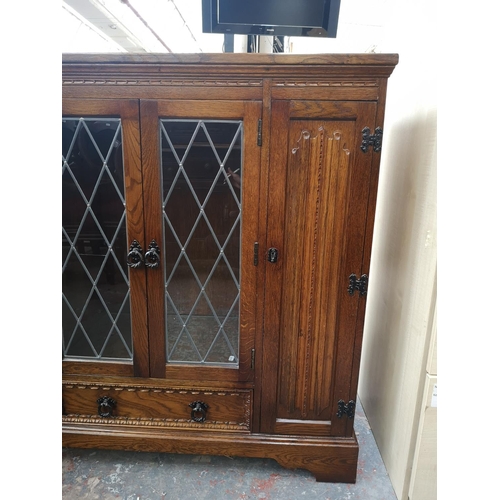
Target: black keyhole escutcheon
[[272, 255]]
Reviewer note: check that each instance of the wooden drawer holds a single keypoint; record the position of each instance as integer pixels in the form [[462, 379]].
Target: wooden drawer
[[154, 406]]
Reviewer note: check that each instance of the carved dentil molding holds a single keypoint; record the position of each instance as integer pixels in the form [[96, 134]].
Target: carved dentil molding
[[323, 83], [130, 82]]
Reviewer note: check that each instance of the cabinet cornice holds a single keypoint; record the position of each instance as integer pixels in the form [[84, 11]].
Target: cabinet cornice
[[152, 67]]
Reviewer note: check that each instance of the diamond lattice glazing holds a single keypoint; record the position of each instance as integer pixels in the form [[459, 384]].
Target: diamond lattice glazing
[[202, 175], [96, 308]]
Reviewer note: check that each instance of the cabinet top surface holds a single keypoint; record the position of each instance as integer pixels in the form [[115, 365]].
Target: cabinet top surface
[[234, 59]]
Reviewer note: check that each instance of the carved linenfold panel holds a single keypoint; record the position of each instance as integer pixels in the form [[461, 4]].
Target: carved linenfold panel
[[164, 82], [305, 135], [317, 177]]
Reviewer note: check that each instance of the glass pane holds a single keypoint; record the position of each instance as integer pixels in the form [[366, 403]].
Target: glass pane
[[202, 176], [96, 308]]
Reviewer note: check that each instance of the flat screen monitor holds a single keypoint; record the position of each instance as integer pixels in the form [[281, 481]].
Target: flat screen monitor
[[314, 18]]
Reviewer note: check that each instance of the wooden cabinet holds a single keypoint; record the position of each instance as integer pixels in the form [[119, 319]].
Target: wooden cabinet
[[217, 222]]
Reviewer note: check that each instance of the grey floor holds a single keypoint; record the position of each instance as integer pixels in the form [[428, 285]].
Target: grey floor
[[110, 475]]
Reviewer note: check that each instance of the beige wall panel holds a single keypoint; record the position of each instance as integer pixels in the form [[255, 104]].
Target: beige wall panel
[[401, 296], [423, 485], [432, 362]]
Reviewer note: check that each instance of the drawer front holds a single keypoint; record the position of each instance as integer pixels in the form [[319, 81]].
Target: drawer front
[[225, 410]]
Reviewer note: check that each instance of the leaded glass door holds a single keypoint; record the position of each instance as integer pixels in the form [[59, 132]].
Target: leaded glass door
[[104, 301], [201, 160]]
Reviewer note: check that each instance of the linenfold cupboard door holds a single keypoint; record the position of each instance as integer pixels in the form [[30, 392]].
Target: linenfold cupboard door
[[319, 190], [201, 166], [104, 286]]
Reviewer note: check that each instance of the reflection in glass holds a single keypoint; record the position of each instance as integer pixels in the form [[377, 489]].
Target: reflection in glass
[[202, 176], [96, 308]]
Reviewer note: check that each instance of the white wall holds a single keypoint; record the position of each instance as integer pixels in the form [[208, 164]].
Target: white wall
[[403, 271]]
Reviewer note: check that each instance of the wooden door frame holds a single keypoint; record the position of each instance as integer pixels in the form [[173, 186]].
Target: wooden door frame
[[358, 193], [128, 111], [250, 112]]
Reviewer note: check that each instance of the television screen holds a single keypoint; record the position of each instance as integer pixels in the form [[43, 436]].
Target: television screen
[[272, 17]]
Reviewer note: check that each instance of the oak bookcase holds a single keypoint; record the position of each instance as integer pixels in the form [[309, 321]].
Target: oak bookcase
[[218, 215]]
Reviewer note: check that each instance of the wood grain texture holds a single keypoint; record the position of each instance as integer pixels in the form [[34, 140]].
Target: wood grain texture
[[261, 254], [302, 427], [157, 406], [330, 460], [153, 230], [289, 91], [317, 161], [94, 107], [156, 89], [273, 278], [106, 368], [134, 206], [203, 109], [250, 210], [357, 201]]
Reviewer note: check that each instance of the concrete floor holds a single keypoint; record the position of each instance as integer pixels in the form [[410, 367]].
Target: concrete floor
[[111, 475]]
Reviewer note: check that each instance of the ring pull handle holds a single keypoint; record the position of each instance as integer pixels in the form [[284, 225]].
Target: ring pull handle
[[199, 411], [152, 257], [134, 256], [105, 406]]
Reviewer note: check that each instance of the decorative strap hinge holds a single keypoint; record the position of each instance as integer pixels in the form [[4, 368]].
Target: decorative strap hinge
[[259, 133], [346, 408], [361, 285], [374, 140]]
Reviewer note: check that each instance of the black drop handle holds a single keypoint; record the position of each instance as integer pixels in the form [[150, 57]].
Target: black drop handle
[[134, 256], [152, 257], [105, 406]]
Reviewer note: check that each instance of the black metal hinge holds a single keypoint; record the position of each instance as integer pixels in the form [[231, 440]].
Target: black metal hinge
[[259, 133], [252, 363], [346, 408], [374, 140], [361, 285], [256, 254]]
